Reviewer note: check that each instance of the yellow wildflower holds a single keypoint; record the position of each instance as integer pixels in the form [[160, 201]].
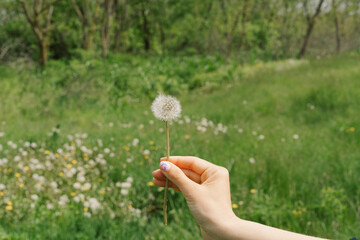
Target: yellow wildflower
[[66, 157], [73, 194], [74, 162], [187, 136], [61, 174], [234, 205], [152, 143], [47, 152], [17, 175], [69, 165], [86, 209], [150, 184], [102, 192], [130, 206], [27, 168], [100, 180], [21, 185], [253, 191], [126, 148], [9, 203], [9, 207], [56, 155], [2, 194]]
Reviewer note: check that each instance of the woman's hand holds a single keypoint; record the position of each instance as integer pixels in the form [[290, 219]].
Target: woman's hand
[[205, 187]]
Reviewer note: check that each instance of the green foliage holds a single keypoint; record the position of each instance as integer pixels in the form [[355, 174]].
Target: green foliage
[[304, 178]]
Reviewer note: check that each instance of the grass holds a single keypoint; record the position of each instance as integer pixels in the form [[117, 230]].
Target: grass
[[306, 172]]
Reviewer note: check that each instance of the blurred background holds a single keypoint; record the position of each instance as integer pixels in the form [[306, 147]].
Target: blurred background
[[249, 29], [269, 89]]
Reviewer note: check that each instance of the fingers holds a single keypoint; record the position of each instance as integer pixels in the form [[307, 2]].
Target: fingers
[[189, 173], [195, 164], [161, 183], [178, 177]]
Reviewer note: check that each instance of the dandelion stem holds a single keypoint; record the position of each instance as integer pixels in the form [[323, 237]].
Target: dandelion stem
[[166, 183]]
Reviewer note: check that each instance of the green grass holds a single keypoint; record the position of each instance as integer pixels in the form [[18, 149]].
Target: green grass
[[308, 185]]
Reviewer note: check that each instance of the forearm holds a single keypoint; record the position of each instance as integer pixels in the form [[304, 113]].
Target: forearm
[[239, 229]]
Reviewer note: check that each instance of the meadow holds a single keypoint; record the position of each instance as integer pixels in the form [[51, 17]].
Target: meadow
[[78, 143]]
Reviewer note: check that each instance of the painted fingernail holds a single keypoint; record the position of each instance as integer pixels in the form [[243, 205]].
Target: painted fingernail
[[165, 166]]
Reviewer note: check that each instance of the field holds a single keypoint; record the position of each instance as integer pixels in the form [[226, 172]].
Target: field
[[79, 143]]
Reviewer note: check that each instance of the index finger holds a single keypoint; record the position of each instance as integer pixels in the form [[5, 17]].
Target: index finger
[[195, 164]]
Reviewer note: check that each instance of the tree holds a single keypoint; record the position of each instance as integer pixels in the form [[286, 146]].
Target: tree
[[88, 13], [105, 25], [121, 19], [337, 26], [310, 25], [39, 18]]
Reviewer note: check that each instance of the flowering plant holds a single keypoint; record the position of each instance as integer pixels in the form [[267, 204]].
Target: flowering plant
[[166, 108]]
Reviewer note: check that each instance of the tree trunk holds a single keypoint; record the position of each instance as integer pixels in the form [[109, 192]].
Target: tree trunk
[[232, 33], [39, 18], [243, 24], [43, 53], [146, 31], [337, 27], [309, 29], [85, 36], [105, 25], [310, 26]]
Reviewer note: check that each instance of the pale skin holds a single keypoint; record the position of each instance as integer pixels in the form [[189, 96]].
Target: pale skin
[[206, 188]]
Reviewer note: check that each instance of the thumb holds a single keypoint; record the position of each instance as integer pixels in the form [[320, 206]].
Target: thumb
[[178, 177]]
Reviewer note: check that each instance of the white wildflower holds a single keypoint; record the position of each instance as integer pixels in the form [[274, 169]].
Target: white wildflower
[[252, 160], [94, 204], [166, 108], [34, 197], [296, 136], [135, 142], [124, 192], [77, 185], [50, 206]]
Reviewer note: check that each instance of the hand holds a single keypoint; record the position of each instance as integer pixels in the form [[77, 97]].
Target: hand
[[205, 187]]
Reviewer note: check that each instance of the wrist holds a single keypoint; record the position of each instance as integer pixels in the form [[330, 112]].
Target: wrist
[[221, 227]]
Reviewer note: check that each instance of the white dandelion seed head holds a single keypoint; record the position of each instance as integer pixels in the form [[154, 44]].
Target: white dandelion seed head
[[166, 108]]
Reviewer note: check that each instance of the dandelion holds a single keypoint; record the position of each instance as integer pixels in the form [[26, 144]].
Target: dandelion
[[166, 108], [234, 205], [150, 184], [253, 191]]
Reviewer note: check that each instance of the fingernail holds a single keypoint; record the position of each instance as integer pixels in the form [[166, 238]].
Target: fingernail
[[165, 166]]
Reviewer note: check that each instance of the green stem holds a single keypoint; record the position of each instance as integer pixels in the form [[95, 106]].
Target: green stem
[[166, 183]]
